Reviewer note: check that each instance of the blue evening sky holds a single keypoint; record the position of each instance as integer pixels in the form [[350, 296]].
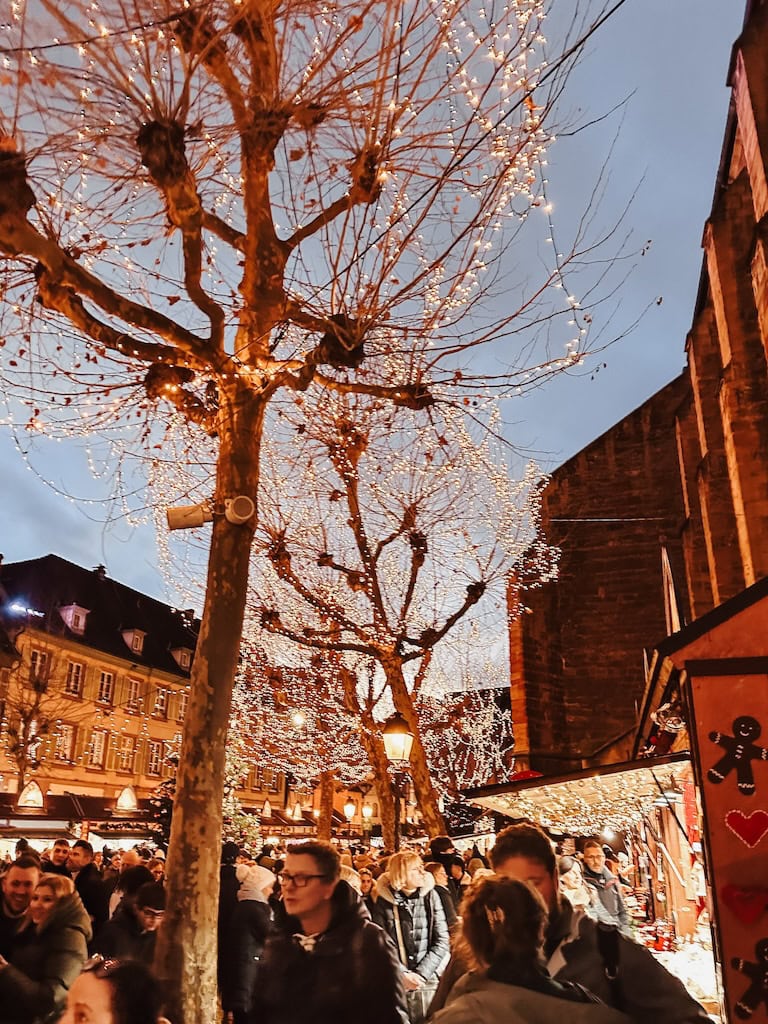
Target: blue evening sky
[[672, 56]]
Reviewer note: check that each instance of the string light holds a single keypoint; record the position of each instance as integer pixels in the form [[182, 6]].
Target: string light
[[587, 806]]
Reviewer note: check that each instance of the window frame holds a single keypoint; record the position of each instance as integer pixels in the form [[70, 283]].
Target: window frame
[[100, 698], [78, 691]]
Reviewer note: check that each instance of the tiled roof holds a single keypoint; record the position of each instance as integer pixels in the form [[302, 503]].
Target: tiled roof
[[44, 585]]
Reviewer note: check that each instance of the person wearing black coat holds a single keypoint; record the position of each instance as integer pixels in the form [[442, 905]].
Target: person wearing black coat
[[88, 882], [131, 932], [440, 876], [326, 961], [249, 927]]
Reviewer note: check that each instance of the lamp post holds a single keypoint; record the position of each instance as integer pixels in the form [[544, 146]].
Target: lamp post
[[367, 812], [349, 812], [398, 740]]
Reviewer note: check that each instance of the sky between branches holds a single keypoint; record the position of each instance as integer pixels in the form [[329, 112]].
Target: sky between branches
[[672, 55]]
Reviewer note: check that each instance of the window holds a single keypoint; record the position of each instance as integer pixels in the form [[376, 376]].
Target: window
[[98, 751], [38, 664], [267, 780], [75, 617], [183, 702], [154, 757], [74, 681], [135, 702], [160, 710], [125, 753], [106, 688], [182, 656], [65, 743], [134, 638]]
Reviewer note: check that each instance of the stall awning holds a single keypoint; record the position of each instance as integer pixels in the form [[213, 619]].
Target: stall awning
[[582, 803]]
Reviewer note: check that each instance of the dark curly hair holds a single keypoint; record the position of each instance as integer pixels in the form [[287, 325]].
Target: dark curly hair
[[136, 993]]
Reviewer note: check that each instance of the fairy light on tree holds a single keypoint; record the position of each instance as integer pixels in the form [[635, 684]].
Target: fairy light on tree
[[382, 540], [230, 202]]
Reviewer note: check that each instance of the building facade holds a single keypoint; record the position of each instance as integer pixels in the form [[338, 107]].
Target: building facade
[[665, 516], [92, 703]]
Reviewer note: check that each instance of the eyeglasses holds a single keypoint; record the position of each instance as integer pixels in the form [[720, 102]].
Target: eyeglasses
[[298, 880], [100, 966], [152, 913]]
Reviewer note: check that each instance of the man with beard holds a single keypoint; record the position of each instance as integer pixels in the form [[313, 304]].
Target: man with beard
[[18, 884]]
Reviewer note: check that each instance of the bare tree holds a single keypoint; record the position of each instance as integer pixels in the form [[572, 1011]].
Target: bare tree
[[34, 714], [206, 207], [383, 540]]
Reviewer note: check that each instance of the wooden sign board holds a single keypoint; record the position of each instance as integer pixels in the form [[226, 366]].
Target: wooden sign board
[[728, 716]]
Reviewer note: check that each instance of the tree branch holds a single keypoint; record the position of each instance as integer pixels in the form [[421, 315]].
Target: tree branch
[[19, 238]]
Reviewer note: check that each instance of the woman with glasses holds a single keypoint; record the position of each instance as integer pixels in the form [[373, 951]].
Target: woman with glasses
[[111, 992], [325, 960], [411, 913], [49, 950]]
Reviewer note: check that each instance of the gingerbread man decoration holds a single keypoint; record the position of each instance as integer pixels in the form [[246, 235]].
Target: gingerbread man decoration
[[740, 752], [758, 974]]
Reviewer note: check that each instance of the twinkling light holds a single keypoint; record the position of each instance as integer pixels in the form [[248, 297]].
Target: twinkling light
[[608, 799]]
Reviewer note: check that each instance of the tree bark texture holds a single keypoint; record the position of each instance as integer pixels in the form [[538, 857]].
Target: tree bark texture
[[186, 954]]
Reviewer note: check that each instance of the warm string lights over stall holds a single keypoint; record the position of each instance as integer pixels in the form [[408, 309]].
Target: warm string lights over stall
[[610, 799]]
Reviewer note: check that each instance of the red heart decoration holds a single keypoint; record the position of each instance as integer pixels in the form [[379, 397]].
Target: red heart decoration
[[747, 904], [750, 828]]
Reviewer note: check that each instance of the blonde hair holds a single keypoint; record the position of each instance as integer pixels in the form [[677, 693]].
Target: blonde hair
[[398, 866], [59, 885]]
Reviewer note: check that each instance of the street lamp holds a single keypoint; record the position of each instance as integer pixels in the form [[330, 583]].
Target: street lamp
[[367, 812], [398, 740], [349, 812]]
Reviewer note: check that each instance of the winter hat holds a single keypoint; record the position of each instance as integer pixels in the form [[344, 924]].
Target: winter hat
[[229, 852], [253, 879]]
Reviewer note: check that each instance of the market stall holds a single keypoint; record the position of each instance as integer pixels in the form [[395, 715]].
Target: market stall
[[646, 812]]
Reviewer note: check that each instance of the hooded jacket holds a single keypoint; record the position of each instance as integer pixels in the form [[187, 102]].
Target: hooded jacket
[[351, 974], [44, 963], [650, 993], [422, 922], [476, 999]]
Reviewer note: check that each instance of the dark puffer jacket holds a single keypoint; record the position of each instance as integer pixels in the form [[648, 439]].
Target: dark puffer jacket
[[34, 986], [352, 975], [422, 922]]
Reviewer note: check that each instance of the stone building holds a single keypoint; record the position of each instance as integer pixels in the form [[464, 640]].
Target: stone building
[[667, 513]]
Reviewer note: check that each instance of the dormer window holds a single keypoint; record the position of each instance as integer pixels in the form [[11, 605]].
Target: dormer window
[[182, 656], [135, 640], [74, 616]]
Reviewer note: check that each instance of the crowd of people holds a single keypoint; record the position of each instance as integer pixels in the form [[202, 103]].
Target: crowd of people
[[313, 934]]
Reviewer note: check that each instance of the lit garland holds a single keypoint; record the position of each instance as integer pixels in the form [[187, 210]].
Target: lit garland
[[582, 807]]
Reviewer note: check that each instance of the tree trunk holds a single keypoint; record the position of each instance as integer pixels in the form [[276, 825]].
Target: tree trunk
[[426, 797], [377, 758], [325, 821], [187, 947]]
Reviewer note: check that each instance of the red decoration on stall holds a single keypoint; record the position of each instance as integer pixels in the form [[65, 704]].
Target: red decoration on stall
[[747, 904], [750, 828]]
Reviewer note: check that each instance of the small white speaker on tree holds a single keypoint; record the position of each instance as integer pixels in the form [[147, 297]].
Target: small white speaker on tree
[[238, 510]]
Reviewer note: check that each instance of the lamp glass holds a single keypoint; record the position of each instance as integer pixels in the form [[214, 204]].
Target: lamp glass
[[349, 809], [367, 811], [398, 739]]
